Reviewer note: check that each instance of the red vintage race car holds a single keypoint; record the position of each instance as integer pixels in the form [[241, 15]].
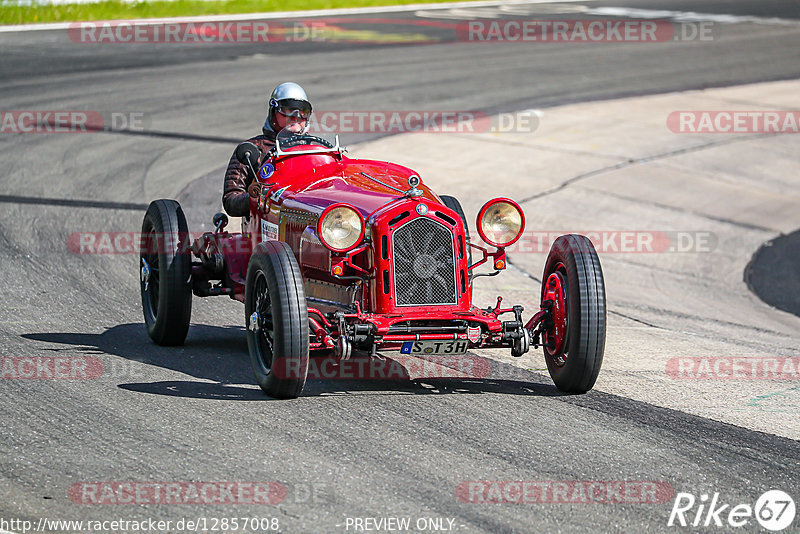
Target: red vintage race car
[[342, 254]]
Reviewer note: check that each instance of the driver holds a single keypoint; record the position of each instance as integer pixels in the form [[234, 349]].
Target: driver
[[289, 108]]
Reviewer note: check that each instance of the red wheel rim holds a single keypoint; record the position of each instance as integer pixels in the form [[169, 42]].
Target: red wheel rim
[[555, 290]]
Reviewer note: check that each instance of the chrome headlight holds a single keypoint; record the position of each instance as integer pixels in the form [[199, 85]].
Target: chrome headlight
[[501, 222], [340, 227]]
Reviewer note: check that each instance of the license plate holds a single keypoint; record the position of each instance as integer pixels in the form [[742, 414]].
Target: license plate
[[424, 348]]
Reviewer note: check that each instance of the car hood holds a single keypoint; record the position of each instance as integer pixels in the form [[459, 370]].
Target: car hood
[[344, 182]]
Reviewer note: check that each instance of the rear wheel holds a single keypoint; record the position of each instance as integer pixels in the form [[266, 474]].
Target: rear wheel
[[575, 339], [455, 205], [277, 320], [165, 268]]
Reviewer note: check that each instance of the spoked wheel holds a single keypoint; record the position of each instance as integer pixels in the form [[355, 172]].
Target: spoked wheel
[[165, 268], [277, 320], [261, 322], [148, 276], [574, 291]]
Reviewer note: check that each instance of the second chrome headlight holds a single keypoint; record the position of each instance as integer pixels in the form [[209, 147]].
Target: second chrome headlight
[[501, 222]]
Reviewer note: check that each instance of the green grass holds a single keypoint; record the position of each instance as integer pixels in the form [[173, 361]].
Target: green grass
[[110, 9]]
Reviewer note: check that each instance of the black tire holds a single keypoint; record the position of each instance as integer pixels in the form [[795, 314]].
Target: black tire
[[455, 205], [575, 367], [276, 316], [167, 291]]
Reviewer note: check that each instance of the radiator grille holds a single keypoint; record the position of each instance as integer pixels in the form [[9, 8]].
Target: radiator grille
[[424, 264]]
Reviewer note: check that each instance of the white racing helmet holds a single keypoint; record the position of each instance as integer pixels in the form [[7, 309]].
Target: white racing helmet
[[290, 100]]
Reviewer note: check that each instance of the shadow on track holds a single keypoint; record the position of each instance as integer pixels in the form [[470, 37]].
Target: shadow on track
[[217, 356], [773, 273]]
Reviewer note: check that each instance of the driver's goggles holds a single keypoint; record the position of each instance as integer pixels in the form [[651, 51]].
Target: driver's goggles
[[294, 108]]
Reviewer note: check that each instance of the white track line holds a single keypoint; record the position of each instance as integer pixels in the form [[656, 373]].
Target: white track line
[[292, 14]]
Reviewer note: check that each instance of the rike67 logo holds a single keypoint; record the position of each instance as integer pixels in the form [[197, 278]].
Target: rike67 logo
[[774, 511]]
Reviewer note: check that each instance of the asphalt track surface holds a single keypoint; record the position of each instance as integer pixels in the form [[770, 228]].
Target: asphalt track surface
[[346, 448]]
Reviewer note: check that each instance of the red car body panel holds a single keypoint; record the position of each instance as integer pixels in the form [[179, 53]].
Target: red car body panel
[[286, 202]]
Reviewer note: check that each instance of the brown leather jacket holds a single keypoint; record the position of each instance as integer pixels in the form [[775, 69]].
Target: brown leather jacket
[[235, 198]]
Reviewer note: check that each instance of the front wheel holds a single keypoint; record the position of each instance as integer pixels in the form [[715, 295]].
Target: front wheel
[[574, 290], [276, 314]]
